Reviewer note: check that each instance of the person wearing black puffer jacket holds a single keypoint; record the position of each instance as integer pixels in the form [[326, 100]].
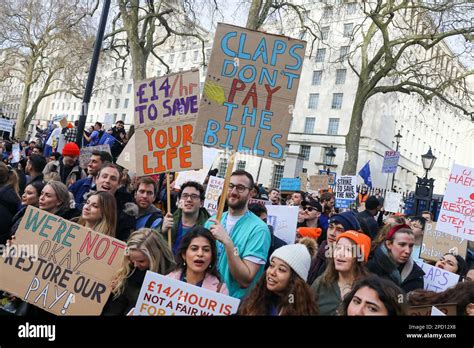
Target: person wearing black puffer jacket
[[392, 259], [9, 200]]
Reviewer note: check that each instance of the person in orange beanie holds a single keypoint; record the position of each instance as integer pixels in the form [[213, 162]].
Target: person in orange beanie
[[310, 232], [346, 265]]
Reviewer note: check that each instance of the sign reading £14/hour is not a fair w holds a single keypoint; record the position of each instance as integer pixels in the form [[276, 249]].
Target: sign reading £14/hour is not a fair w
[[165, 115], [249, 92]]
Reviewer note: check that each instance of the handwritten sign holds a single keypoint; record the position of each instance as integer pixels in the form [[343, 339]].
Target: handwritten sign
[[345, 191], [284, 220], [68, 270], [250, 90], [457, 210], [165, 116], [213, 192], [290, 184], [436, 244], [390, 161], [162, 295], [319, 182], [86, 153], [392, 202], [437, 279]]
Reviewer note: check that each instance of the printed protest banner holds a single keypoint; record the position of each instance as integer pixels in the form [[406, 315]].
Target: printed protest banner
[[208, 157], [437, 279], [392, 202], [345, 191], [86, 153], [284, 220], [457, 210], [66, 269], [213, 192], [319, 182], [165, 116], [290, 184], [250, 91], [262, 202], [436, 244], [6, 125], [161, 295], [390, 161], [127, 156], [448, 309]]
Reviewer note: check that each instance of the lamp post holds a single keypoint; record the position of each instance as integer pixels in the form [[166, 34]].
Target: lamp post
[[398, 136], [424, 186], [330, 155]]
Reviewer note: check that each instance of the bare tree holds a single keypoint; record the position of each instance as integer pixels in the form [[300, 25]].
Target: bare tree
[[400, 46], [47, 45]]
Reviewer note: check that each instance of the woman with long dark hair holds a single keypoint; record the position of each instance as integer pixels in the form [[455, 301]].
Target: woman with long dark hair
[[30, 197], [196, 260], [9, 200]]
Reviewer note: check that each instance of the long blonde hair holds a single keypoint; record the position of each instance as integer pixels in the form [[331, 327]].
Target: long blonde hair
[[107, 224], [156, 250]]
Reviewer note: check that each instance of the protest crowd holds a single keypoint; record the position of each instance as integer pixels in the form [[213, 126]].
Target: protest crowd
[[112, 241], [354, 261]]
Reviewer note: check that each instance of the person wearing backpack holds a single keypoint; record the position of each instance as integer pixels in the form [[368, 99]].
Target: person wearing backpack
[[148, 215]]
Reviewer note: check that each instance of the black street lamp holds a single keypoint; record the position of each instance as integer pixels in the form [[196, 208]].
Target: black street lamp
[[424, 186], [330, 155], [398, 136]]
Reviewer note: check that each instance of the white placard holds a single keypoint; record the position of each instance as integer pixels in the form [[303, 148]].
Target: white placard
[[437, 279], [392, 202], [162, 295], [284, 220], [435, 312], [208, 157], [16, 153], [213, 192]]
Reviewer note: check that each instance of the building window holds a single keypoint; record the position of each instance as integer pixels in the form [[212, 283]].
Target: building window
[[129, 88], [313, 101], [309, 125], [123, 117], [52, 106], [351, 8], [317, 75], [114, 119], [348, 27], [277, 175], [125, 103], [117, 103], [241, 165], [324, 33], [222, 167], [343, 52], [336, 100], [196, 55], [158, 73], [333, 126], [320, 55], [304, 170], [94, 105], [109, 103], [171, 58], [327, 11], [341, 76], [208, 53], [183, 57], [304, 151], [287, 148]]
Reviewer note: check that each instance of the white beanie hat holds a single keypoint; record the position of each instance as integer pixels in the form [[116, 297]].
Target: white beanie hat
[[297, 257]]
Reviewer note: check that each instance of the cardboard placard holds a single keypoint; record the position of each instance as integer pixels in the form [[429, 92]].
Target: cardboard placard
[[392, 202], [127, 156], [436, 244], [390, 161], [66, 269], [290, 184], [457, 210], [437, 279], [86, 153], [319, 182], [448, 309], [345, 191], [284, 219], [165, 116], [213, 192], [162, 295], [250, 91]]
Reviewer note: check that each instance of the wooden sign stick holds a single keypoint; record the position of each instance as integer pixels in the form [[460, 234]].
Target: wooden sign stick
[[168, 205], [230, 166]]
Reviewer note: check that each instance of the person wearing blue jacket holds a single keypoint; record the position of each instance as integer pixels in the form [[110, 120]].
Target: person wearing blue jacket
[[243, 238], [148, 215]]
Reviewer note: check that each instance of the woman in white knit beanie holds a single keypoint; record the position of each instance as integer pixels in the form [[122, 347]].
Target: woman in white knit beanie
[[282, 289]]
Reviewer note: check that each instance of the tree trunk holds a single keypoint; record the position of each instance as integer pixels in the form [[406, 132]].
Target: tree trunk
[[353, 136], [21, 124], [253, 17]]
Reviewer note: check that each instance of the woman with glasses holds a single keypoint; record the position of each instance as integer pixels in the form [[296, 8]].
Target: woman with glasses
[[190, 213]]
